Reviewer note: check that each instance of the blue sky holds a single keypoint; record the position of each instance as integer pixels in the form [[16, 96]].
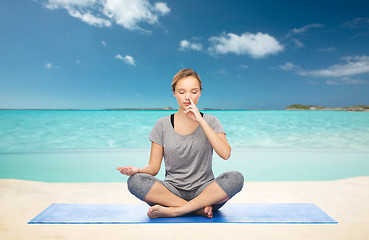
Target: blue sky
[[95, 54]]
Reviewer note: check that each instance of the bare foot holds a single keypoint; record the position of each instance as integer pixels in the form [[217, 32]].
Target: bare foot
[[159, 211], [206, 212]]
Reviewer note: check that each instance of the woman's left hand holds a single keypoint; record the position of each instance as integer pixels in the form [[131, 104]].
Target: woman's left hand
[[193, 112]]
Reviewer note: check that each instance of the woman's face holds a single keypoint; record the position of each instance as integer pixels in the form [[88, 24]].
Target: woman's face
[[186, 88]]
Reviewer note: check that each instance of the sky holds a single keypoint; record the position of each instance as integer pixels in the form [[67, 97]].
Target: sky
[[97, 54]]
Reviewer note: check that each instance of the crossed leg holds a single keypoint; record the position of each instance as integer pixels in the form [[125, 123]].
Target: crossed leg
[[167, 204], [170, 205]]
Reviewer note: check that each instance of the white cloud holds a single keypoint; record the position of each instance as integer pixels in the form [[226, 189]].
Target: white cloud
[[184, 45], [288, 66], [338, 74], [256, 45], [306, 27], [221, 71], [243, 66], [162, 7], [298, 43], [54, 4], [357, 23], [103, 43], [89, 18], [80, 63], [353, 66], [49, 65], [345, 81], [127, 59], [103, 13]]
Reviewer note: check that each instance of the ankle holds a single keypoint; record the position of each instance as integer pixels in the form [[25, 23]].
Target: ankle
[[178, 211]]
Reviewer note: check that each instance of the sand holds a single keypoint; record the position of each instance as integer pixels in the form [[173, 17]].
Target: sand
[[344, 200]]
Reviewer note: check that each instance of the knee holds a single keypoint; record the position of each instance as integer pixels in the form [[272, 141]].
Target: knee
[[231, 182], [132, 181], [139, 184], [237, 179]]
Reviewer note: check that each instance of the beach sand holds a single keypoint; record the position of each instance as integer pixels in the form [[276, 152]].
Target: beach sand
[[344, 200]]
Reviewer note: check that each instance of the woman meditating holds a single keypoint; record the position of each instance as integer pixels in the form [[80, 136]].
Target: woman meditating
[[186, 140]]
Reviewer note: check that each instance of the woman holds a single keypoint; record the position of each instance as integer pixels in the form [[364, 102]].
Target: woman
[[186, 140]]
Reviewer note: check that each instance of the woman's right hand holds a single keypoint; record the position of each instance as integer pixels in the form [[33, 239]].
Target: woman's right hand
[[128, 170]]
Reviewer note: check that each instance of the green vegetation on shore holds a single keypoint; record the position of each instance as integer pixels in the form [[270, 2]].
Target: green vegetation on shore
[[356, 108]]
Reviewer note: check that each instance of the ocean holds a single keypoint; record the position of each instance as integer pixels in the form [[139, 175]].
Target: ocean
[[53, 145]]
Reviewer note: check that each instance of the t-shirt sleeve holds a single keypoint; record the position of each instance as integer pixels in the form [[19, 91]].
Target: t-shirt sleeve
[[215, 124], [156, 134]]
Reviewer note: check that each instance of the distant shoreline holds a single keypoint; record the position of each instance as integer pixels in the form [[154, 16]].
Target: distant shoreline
[[300, 107]]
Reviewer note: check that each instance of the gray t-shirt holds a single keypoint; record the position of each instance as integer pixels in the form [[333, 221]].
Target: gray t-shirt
[[188, 158]]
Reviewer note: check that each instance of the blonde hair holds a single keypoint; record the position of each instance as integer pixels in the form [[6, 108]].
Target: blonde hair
[[187, 72]]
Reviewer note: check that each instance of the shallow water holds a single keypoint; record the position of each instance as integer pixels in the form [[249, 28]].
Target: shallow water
[[86, 146], [45, 130], [255, 164]]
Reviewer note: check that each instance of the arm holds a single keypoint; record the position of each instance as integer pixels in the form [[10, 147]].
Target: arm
[[156, 156], [218, 141]]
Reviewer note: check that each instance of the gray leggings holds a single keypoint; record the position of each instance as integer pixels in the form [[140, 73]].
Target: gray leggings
[[140, 184]]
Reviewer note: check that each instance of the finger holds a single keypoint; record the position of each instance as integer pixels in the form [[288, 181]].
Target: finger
[[191, 100], [188, 111]]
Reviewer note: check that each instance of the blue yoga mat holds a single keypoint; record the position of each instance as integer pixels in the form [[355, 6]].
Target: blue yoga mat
[[64, 213]]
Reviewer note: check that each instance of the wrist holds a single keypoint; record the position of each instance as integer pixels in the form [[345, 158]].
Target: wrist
[[202, 121], [138, 170]]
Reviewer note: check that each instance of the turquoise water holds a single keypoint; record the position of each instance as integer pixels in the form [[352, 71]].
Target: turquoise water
[[86, 146], [46, 130]]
